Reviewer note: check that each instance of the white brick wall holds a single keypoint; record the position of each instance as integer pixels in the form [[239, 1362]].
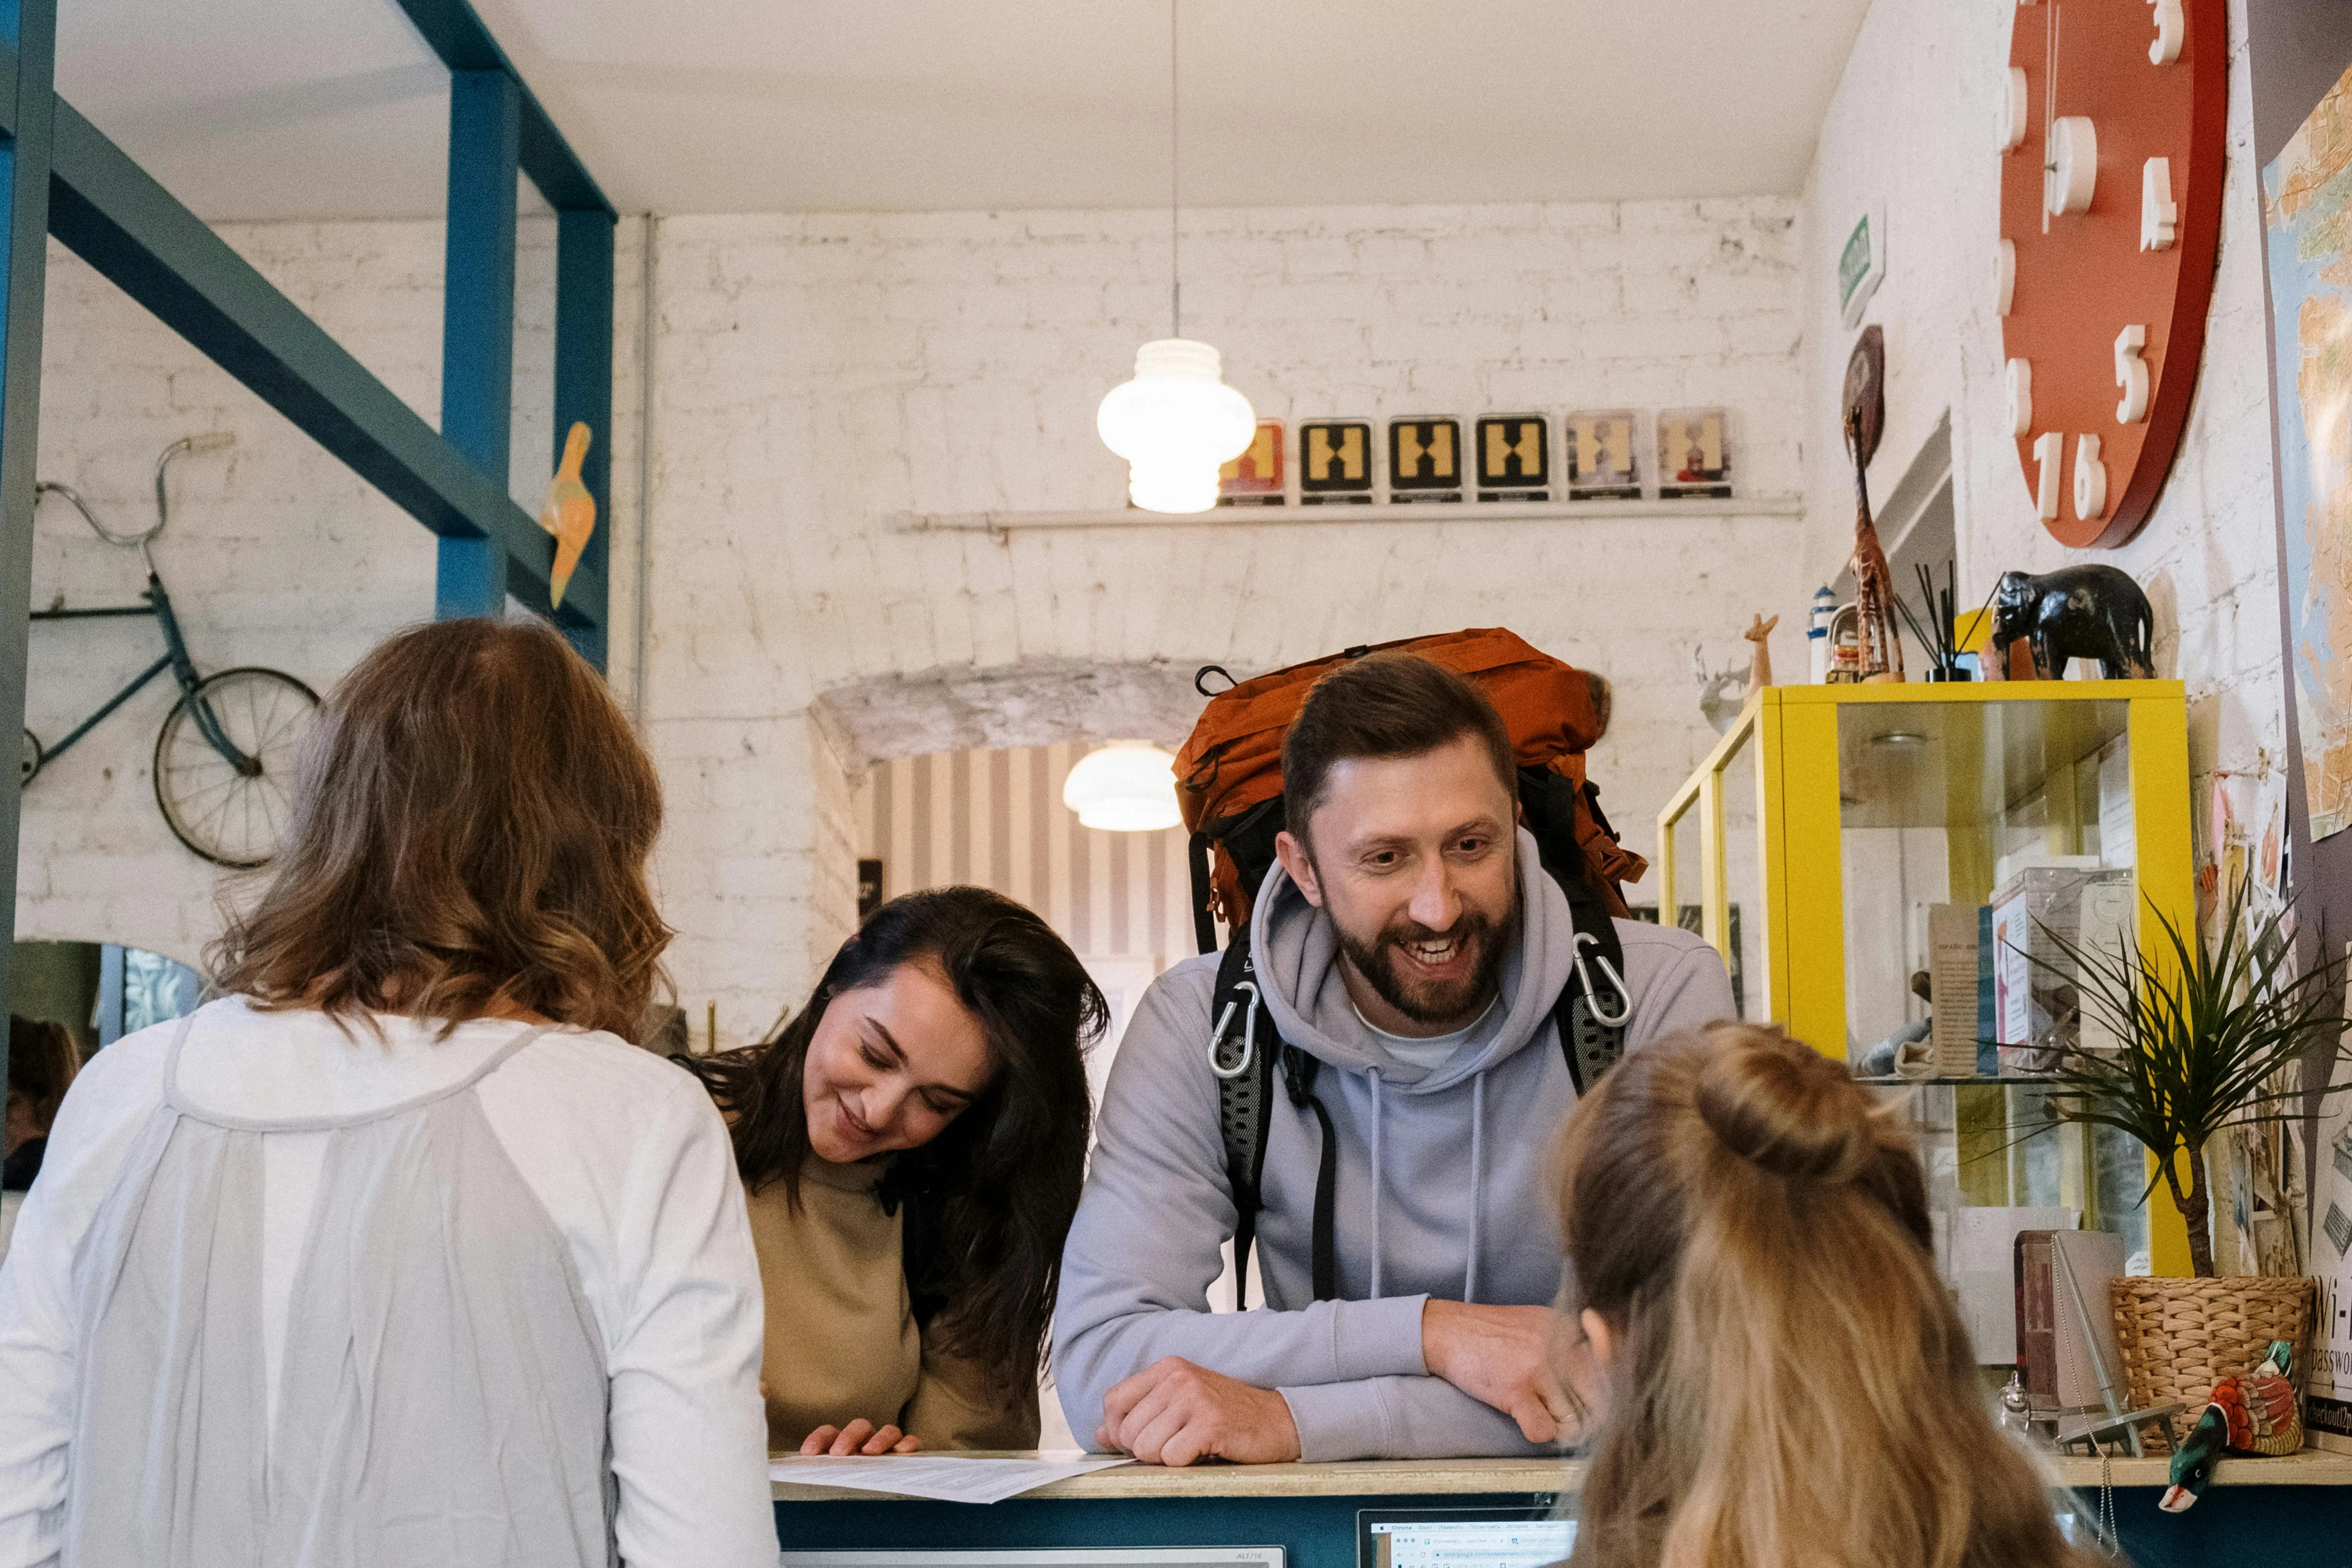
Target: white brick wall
[[817, 375], [820, 375], [1911, 125]]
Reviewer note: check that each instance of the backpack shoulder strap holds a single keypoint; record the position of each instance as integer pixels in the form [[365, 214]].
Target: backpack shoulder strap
[[1245, 1051], [1594, 1008], [1243, 1047], [1299, 1070]]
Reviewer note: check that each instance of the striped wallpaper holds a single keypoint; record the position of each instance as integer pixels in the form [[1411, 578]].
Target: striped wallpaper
[[996, 818]]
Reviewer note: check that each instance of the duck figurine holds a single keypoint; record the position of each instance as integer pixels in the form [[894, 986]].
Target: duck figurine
[[2255, 1413]]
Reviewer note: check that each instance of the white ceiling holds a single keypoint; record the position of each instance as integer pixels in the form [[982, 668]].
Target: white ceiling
[[336, 108]]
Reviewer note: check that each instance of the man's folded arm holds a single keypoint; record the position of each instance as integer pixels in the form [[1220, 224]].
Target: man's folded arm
[[1401, 1418], [1149, 1234]]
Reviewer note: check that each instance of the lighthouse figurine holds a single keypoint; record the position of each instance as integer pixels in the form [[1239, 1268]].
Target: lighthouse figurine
[[1817, 634]]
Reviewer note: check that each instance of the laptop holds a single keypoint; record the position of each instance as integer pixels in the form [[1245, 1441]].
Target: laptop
[[1461, 1538], [1107, 1557]]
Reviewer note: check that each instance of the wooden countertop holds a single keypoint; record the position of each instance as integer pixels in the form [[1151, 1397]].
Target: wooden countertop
[[2311, 1468], [1379, 1478]]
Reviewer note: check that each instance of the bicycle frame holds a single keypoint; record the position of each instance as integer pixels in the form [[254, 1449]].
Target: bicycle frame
[[175, 659]]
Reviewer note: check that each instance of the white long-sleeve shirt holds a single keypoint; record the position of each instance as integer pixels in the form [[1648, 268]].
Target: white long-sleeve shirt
[[625, 1154]]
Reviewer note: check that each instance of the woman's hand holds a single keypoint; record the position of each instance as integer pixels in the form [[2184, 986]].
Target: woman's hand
[[859, 1437]]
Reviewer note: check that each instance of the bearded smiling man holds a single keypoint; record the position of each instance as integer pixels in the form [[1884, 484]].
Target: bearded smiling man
[[1410, 941]]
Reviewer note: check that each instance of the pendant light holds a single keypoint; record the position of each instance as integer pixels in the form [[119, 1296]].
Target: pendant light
[[1177, 423], [1127, 786]]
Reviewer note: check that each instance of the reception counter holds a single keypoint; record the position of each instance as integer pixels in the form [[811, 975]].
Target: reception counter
[[2293, 1512]]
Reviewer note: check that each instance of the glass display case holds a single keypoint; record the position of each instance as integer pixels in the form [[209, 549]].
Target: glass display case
[[1853, 850]]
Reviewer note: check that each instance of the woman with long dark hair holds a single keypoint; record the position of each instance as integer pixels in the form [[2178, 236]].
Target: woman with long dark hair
[[912, 1145]]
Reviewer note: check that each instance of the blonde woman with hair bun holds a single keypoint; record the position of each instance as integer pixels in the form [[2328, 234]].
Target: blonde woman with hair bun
[[1785, 1380]]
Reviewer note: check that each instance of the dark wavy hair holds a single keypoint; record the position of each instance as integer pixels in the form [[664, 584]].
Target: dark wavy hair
[[42, 1062], [1389, 704], [471, 821], [1003, 1178]]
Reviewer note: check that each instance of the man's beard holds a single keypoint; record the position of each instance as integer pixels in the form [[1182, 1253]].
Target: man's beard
[[1435, 1002]]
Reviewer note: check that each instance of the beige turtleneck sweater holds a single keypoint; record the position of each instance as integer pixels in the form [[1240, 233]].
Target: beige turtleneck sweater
[[842, 1337]]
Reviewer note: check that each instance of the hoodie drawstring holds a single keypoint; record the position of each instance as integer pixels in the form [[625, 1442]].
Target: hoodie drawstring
[[1380, 1183], [1477, 1174]]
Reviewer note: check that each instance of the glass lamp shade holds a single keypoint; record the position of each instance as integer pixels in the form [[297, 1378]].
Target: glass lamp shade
[[1128, 787], [1176, 423]]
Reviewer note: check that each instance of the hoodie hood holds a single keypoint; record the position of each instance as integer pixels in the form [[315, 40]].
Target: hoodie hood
[[1295, 949]]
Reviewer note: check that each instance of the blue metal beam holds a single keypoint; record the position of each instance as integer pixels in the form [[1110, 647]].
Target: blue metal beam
[[457, 35], [583, 380], [30, 28], [478, 320], [107, 210]]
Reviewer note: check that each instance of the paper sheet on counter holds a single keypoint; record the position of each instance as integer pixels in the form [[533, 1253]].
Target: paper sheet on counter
[[944, 1478]]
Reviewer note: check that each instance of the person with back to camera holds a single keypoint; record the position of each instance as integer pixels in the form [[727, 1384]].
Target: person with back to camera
[[400, 1252], [1410, 942], [911, 1146], [1784, 1380]]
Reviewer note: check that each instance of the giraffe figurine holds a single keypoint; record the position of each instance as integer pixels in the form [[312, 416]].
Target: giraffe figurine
[[1759, 669], [1873, 583]]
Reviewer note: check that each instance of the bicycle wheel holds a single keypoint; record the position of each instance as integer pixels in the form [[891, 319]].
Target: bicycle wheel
[[32, 760], [232, 815]]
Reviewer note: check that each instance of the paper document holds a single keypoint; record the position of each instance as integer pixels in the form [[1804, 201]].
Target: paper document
[[946, 1478]]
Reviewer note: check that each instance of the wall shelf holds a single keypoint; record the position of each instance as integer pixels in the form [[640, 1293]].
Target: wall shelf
[[1002, 523]]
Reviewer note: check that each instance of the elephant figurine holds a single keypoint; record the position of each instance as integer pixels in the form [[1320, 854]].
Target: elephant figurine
[[2076, 612]]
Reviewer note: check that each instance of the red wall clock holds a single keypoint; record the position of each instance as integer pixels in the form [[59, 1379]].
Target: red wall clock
[[2112, 127]]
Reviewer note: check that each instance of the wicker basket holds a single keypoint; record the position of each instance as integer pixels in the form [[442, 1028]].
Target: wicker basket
[[2181, 1337]]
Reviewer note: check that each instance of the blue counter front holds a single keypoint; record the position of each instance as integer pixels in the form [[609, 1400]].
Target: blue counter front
[[2280, 1513]]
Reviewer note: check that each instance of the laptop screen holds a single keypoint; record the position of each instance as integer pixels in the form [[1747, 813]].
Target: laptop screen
[[1461, 1538]]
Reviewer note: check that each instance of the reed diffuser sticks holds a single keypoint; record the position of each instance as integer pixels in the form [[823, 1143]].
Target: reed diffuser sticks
[[1939, 636]]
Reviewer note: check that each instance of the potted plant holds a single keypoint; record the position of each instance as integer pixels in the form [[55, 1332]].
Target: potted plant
[[2206, 1039]]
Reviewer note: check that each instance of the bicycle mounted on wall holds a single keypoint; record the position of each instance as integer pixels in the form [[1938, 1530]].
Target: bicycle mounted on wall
[[225, 757]]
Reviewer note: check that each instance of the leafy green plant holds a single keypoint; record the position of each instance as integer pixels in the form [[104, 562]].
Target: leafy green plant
[[2207, 1042]]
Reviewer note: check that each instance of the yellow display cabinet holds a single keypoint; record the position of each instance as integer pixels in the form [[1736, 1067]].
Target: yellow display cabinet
[[1811, 845]]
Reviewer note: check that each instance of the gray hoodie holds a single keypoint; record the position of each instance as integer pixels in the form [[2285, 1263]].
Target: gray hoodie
[[1440, 1187]]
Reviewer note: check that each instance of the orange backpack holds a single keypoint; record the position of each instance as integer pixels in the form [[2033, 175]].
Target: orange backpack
[[1229, 774]]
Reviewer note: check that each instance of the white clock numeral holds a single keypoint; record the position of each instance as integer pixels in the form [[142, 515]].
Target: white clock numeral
[[2013, 107], [2021, 399], [2048, 456], [2172, 27], [2131, 374], [2090, 479], [2073, 165], [2004, 277], [2160, 216]]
